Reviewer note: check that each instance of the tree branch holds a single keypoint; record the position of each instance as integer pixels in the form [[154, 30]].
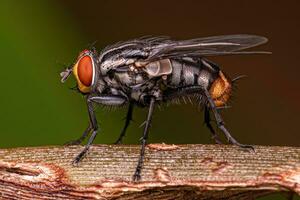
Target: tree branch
[[169, 172]]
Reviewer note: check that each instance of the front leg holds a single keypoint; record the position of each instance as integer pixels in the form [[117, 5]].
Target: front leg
[[108, 100], [105, 100], [82, 137]]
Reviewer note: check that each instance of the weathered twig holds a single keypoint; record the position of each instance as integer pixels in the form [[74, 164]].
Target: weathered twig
[[170, 172]]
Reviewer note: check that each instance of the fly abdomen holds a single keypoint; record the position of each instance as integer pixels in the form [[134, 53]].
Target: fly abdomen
[[189, 73], [204, 74]]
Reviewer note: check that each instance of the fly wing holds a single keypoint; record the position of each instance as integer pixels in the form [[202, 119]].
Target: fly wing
[[208, 46], [134, 48], [142, 51], [122, 54]]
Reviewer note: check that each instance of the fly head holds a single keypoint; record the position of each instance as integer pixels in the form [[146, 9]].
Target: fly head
[[84, 71]]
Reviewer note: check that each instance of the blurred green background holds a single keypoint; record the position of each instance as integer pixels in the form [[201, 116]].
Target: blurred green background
[[38, 38]]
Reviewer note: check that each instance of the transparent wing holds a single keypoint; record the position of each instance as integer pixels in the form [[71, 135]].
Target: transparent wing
[[150, 49], [208, 46]]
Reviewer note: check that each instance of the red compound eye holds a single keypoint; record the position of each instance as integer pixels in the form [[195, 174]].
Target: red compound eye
[[85, 70]]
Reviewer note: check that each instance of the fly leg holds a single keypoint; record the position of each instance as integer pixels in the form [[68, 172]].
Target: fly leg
[[108, 100], [220, 123], [94, 129], [137, 174], [105, 100], [191, 90], [127, 122], [209, 126], [83, 136], [219, 120]]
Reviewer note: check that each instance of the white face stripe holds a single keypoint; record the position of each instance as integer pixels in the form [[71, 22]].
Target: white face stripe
[[94, 71]]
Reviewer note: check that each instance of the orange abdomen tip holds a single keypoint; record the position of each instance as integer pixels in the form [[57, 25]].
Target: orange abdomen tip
[[220, 90]]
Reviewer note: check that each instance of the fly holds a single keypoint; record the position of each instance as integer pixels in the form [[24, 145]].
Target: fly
[[152, 70]]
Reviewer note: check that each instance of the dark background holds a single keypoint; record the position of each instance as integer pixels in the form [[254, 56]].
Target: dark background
[[37, 39]]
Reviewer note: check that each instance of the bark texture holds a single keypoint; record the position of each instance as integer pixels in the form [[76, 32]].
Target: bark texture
[[169, 172]]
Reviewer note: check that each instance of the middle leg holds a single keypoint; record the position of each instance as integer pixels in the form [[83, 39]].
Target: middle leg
[[137, 174], [127, 122]]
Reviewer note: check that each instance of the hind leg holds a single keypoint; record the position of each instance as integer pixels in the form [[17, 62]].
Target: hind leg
[[207, 120], [221, 123], [211, 104]]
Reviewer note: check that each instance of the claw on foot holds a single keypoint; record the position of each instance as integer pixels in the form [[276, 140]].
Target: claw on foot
[[75, 162], [118, 142], [136, 177], [72, 142], [246, 147], [249, 148], [78, 158], [217, 139]]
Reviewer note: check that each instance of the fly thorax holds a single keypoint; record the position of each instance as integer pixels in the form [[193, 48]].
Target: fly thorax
[[130, 78], [124, 78], [100, 86], [220, 89], [136, 94], [111, 82], [111, 64]]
